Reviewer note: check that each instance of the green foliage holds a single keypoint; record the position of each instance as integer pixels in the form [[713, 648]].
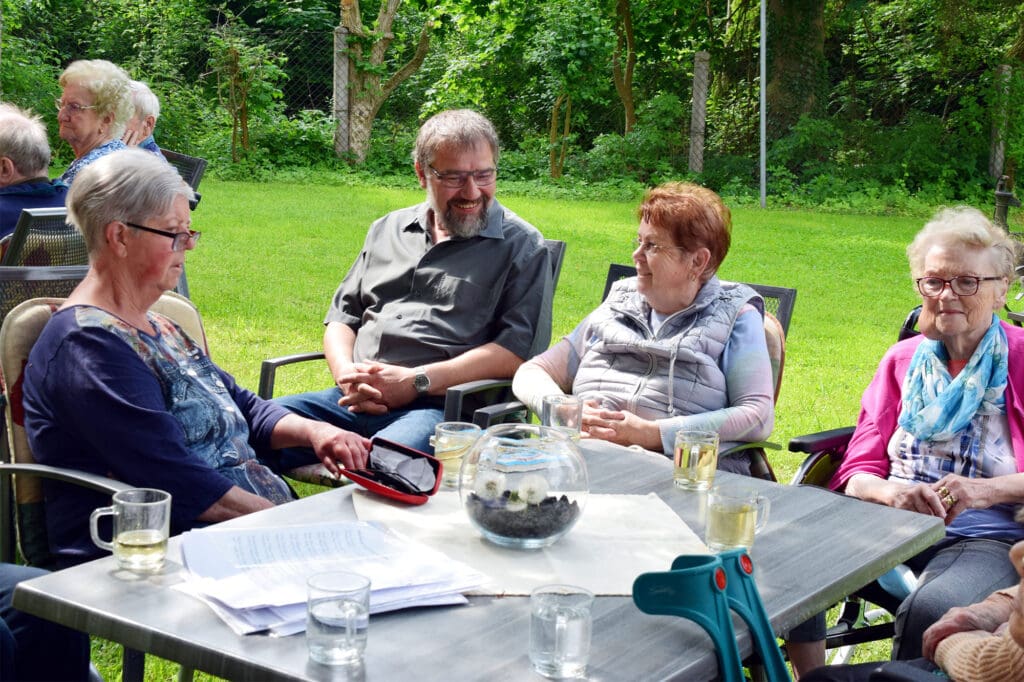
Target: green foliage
[[247, 73], [654, 148], [303, 140]]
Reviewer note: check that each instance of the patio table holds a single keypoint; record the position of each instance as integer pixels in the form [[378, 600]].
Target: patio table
[[817, 548]]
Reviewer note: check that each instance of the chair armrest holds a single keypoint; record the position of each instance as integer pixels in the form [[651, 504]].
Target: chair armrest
[[456, 397], [833, 440], [499, 413], [268, 370], [93, 481], [826, 450]]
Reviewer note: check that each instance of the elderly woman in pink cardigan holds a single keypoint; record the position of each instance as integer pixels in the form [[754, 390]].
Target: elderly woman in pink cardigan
[[940, 428]]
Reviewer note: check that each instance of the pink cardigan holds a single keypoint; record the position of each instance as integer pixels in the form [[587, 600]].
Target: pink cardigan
[[880, 409]]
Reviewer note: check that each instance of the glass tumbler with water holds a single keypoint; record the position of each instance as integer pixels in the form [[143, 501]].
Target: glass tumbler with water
[[560, 624], [338, 617], [563, 412]]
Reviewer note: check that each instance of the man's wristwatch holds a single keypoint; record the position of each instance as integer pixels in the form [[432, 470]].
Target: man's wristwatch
[[421, 382]]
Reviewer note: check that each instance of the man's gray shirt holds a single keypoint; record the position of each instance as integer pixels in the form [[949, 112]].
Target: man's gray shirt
[[412, 302]]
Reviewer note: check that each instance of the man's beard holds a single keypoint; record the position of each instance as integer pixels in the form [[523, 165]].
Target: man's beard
[[463, 226]]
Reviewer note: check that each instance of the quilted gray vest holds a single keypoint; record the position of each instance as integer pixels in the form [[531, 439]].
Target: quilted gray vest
[[672, 373]]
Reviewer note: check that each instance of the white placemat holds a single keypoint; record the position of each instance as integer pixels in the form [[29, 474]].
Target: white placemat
[[617, 538]]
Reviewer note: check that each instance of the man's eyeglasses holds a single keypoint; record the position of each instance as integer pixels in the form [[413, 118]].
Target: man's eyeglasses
[[962, 285], [457, 179], [650, 247], [179, 240], [73, 107]]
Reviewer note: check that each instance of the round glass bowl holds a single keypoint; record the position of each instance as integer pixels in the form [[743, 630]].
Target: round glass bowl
[[524, 485]]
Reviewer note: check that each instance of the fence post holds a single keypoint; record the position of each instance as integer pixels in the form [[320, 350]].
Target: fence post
[[701, 62], [341, 110], [997, 148]]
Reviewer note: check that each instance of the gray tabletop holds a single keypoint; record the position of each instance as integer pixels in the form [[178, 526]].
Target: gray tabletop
[[817, 548]]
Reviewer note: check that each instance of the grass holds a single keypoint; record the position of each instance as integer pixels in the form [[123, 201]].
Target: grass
[[272, 255]]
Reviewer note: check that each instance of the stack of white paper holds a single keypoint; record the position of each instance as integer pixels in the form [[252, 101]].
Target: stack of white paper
[[255, 579]]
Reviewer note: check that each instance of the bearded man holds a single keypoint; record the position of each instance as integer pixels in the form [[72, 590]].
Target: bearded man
[[442, 293]]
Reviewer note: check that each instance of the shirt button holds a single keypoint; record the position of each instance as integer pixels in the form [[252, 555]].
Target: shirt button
[[398, 317]]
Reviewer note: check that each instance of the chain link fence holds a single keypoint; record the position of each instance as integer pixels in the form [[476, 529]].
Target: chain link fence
[[309, 67]]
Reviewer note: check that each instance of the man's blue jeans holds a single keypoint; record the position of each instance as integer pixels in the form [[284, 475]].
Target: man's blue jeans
[[412, 425]]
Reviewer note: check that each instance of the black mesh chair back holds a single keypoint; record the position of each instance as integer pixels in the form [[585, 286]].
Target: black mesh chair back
[[42, 237], [191, 168], [19, 284]]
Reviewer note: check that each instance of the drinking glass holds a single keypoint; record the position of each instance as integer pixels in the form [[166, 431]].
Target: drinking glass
[[563, 412], [560, 624], [734, 516], [141, 524], [451, 441], [696, 458], [337, 617]]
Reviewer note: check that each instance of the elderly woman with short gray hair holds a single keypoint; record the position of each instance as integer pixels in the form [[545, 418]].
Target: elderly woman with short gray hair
[[94, 106], [941, 428], [117, 390]]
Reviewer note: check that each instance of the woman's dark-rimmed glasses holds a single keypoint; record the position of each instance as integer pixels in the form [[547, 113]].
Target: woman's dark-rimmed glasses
[[179, 240], [961, 285]]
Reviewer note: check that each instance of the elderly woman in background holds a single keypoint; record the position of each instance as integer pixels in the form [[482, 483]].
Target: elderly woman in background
[[672, 348], [94, 105], [116, 390], [138, 131], [940, 429]]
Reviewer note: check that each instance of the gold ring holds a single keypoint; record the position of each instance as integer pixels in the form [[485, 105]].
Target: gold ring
[[943, 491], [948, 500]]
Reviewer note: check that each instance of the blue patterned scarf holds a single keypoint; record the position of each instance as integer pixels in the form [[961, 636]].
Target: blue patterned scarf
[[937, 406]]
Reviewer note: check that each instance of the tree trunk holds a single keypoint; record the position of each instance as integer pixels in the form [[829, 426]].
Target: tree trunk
[[622, 67], [565, 134], [698, 115], [366, 53], [553, 168], [797, 82]]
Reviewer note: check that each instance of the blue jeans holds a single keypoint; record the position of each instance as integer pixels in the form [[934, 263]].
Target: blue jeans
[[412, 425], [32, 648], [953, 572]]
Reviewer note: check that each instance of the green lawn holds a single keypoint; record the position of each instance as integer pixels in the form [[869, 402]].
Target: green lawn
[[271, 256]]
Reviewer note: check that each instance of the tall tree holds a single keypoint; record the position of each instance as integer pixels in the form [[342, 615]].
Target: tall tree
[[797, 71], [624, 60], [369, 83]]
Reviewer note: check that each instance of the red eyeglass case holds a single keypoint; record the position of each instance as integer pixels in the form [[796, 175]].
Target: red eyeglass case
[[379, 480]]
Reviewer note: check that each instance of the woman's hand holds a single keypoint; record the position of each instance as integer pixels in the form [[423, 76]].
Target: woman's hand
[[988, 616], [619, 427], [917, 497], [959, 493]]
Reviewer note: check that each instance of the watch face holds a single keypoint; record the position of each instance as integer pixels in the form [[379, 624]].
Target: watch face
[[421, 382]]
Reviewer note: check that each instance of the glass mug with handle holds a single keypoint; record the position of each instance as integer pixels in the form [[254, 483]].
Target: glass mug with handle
[[141, 525], [734, 516], [451, 441], [696, 459]]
